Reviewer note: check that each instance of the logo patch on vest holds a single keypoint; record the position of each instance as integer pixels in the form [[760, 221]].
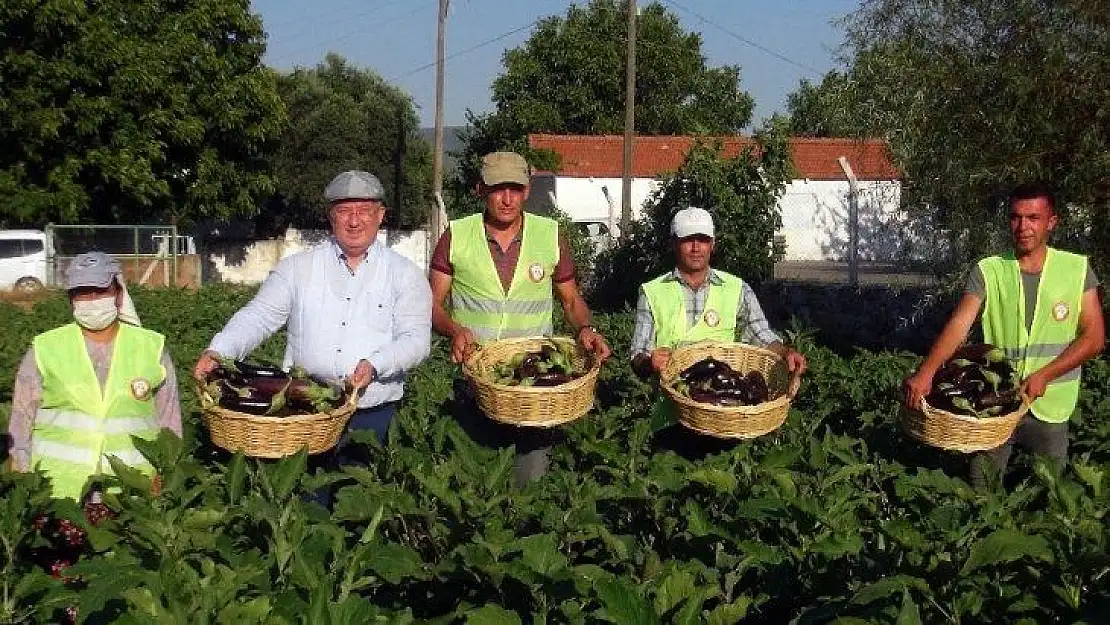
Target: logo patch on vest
[[141, 388], [712, 318], [1060, 311], [535, 272]]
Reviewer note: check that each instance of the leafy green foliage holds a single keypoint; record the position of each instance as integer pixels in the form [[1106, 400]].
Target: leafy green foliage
[[827, 109], [976, 97], [343, 117], [836, 517], [126, 111], [742, 195]]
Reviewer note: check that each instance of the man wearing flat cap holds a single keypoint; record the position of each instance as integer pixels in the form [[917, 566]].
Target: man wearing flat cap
[[495, 275], [695, 302], [351, 306], [84, 389]]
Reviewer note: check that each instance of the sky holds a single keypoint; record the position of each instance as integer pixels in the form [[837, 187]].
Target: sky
[[776, 43]]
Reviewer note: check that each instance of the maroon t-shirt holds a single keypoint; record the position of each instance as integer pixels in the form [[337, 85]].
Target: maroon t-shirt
[[505, 260]]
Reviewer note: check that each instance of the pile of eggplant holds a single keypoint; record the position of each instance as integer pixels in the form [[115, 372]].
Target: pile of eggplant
[[712, 381], [552, 365], [977, 381], [262, 389]]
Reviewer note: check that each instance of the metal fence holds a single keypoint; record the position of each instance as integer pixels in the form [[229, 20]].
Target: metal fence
[[148, 254]]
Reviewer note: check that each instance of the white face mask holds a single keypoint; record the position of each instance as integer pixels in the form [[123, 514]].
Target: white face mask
[[95, 314]]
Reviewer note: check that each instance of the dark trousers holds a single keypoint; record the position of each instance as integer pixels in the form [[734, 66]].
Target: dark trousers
[[375, 419], [533, 445], [1044, 439]]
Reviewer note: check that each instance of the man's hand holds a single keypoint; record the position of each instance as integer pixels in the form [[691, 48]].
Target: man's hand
[[660, 358], [916, 387], [462, 345], [208, 362], [593, 342], [796, 362], [1035, 385], [362, 375]]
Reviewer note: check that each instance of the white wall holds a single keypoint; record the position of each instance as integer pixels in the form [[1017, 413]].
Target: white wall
[[252, 262], [815, 221], [814, 214]]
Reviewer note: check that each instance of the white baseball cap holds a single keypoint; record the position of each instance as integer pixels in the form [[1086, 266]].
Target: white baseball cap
[[690, 221]]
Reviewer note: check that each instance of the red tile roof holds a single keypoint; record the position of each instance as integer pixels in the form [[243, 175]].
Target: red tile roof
[[600, 156]]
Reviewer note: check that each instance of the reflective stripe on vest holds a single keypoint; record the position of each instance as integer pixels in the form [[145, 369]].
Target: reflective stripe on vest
[[1055, 322], [478, 300], [668, 310], [78, 425]]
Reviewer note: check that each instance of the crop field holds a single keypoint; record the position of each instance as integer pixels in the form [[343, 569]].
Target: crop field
[[837, 517]]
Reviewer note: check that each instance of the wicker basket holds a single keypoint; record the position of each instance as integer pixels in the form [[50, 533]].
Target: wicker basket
[[274, 437], [962, 433], [733, 421], [530, 406]]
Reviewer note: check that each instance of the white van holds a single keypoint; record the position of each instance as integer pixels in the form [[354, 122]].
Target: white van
[[22, 260]]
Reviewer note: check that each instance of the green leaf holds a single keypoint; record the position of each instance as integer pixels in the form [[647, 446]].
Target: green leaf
[[1090, 475], [888, 586], [394, 562], [541, 554], [285, 475], [235, 478], [130, 477], [723, 481], [623, 603], [492, 614], [909, 615], [1006, 545], [730, 614], [676, 586]]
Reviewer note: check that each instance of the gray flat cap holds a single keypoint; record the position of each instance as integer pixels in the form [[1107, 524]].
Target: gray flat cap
[[91, 269], [354, 185]]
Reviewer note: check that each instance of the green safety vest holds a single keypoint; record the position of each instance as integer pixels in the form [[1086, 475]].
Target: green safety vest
[[78, 425], [478, 300], [668, 310], [1055, 322]]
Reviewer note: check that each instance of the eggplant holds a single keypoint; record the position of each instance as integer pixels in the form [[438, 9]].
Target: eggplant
[[725, 380], [249, 406], [703, 369], [991, 400], [759, 387], [552, 379], [703, 397]]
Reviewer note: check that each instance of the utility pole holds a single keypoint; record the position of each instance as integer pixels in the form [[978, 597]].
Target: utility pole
[[629, 121], [436, 222], [853, 221]]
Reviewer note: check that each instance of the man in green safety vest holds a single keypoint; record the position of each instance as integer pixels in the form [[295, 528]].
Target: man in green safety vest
[[1042, 306], [495, 275], [84, 389], [695, 302]]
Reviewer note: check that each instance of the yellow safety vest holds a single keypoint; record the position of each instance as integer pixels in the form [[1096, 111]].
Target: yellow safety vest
[[78, 425], [1055, 322], [668, 310], [478, 300]]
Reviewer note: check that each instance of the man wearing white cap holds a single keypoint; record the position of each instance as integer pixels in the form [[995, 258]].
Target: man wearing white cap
[[351, 306], [695, 302], [84, 389]]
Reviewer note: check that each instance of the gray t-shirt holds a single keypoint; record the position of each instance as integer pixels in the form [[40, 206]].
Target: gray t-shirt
[[977, 286]]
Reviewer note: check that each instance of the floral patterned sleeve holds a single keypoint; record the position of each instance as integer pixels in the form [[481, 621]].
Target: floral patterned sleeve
[[26, 397]]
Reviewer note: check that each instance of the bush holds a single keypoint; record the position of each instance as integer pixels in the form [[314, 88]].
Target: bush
[[741, 193]]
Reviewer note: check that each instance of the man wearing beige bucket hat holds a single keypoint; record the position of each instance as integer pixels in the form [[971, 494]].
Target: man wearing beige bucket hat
[[84, 389], [496, 275]]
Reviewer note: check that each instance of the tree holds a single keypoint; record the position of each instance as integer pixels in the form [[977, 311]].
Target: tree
[[830, 108], [133, 111], [342, 117], [568, 77], [742, 194], [979, 95]]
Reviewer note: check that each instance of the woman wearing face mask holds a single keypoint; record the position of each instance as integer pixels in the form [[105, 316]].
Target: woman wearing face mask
[[84, 389]]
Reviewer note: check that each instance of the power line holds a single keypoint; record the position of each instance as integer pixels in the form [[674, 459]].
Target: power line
[[742, 38], [292, 54], [487, 42]]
